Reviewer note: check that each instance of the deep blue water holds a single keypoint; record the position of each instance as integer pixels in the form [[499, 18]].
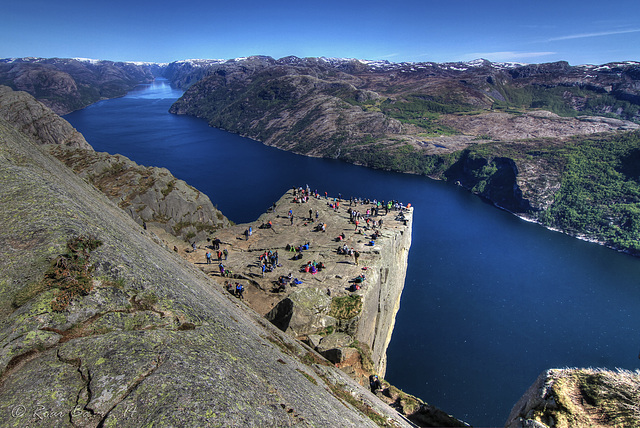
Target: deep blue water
[[490, 300]]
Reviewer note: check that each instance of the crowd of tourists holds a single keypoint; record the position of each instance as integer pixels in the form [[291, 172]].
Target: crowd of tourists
[[367, 215]]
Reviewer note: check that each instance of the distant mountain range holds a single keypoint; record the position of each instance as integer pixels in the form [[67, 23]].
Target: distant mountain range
[[65, 85], [335, 107], [59, 80], [532, 138]]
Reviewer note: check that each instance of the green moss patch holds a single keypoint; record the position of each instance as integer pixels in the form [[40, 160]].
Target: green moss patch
[[346, 307]]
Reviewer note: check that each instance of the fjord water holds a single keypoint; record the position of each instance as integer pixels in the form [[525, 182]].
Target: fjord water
[[490, 301]]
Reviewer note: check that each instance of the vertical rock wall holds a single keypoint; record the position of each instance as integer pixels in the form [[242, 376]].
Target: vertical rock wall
[[381, 300]]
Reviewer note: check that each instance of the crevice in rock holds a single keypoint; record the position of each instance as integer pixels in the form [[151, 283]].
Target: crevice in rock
[[83, 329], [76, 330], [84, 394], [137, 381], [17, 362], [141, 306]]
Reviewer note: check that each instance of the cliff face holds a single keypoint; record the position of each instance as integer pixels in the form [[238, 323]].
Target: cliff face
[[349, 327], [381, 297], [322, 302], [101, 326]]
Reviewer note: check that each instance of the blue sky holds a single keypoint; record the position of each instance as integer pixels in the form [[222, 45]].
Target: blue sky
[[581, 32]]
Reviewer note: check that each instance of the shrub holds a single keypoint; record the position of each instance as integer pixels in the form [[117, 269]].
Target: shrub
[[70, 273]]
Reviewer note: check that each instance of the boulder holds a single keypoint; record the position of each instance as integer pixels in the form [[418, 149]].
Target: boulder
[[313, 340], [334, 347], [334, 340], [302, 312], [339, 355]]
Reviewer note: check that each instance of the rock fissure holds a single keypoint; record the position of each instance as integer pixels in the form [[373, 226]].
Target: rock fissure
[[132, 387], [84, 395]]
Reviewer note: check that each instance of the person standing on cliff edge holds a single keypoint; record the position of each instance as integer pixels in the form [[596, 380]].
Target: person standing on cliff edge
[[356, 254]]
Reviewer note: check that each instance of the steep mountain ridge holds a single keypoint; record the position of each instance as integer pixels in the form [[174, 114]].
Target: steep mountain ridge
[[150, 195], [34, 119]]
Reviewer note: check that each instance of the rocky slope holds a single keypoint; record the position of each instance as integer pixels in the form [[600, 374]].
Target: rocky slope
[[151, 196], [65, 85], [102, 326], [34, 119], [566, 398]]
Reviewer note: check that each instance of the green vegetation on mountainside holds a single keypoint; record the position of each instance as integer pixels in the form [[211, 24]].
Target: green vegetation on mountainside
[[416, 109], [587, 397], [567, 101], [400, 158], [599, 195]]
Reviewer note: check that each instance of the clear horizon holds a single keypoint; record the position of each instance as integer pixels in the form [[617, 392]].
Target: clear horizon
[[407, 31]]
